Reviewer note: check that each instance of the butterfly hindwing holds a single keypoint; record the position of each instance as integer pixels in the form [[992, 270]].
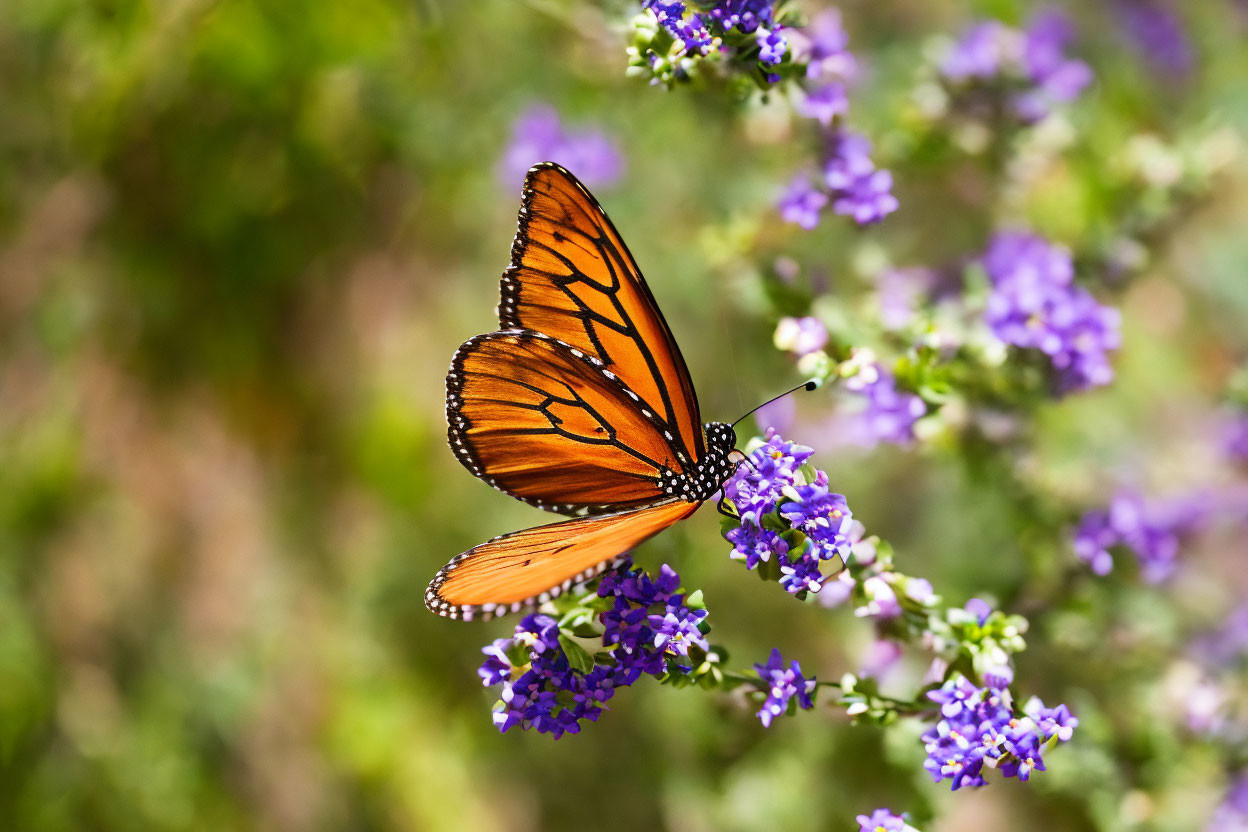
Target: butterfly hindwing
[[544, 422], [532, 566], [573, 278]]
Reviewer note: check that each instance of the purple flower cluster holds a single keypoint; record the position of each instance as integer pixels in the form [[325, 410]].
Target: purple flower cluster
[[648, 623], [788, 514], [698, 32], [1034, 304], [541, 690], [1150, 529], [538, 136], [1032, 62], [890, 414], [979, 726], [784, 685], [851, 184]]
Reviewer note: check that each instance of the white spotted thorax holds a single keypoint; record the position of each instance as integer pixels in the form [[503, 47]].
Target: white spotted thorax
[[707, 476]]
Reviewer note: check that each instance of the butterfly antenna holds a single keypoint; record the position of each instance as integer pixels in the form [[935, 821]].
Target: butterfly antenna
[[813, 384]]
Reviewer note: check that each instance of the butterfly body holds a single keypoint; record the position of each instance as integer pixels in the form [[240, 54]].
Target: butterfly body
[[710, 472], [580, 404]]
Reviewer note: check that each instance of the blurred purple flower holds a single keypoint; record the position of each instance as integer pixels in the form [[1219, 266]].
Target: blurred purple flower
[[824, 103], [857, 189], [801, 336], [778, 415], [898, 293], [881, 655], [801, 203], [980, 609], [1235, 440], [783, 685], [881, 599], [1033, 62], [538, 136], [1151, 530], [1035, 305], [1232, 814], [1155, 31], [1057, 78], [1228, 644], [827, 45], [890, 414], [881, 820], [978, 54]]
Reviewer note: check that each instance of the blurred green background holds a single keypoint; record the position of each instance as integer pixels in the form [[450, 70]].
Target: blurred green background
[[239, 241]]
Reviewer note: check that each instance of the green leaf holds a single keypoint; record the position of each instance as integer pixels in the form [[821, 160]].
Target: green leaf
[[578, 658]]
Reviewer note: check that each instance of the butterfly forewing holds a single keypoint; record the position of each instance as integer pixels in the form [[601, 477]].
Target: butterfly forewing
[[544, 422], [527, 567], [572, 278]]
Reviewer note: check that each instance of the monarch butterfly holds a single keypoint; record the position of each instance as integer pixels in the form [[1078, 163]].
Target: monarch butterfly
[[580, 404]]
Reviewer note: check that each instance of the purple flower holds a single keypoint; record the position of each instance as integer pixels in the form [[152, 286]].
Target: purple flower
[[1232, 814], [881, 820], [699, 32], [783, 685], [772, 485], [1235, 439], [1044, 56], [538, 136], [544, 693], [899, 292], [677, 629], [801, 336], [857, 189], [690, 31], [979, 727], [1226, 645], [1151, 530], [978, 54], [1155, 30], [854, 187], [1035, 305], [825, 103], [1031, 66], [880, 657], [889, 414], [827, 46], [882, 600], [801, 203], [980, 609], [647, 622]]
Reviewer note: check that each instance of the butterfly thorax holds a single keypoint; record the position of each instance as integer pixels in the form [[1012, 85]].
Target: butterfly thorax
[[709, 473]]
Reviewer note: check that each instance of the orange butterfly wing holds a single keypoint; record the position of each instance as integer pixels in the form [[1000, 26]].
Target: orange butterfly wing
[[573, 278], [548, 424], [532, 566]]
